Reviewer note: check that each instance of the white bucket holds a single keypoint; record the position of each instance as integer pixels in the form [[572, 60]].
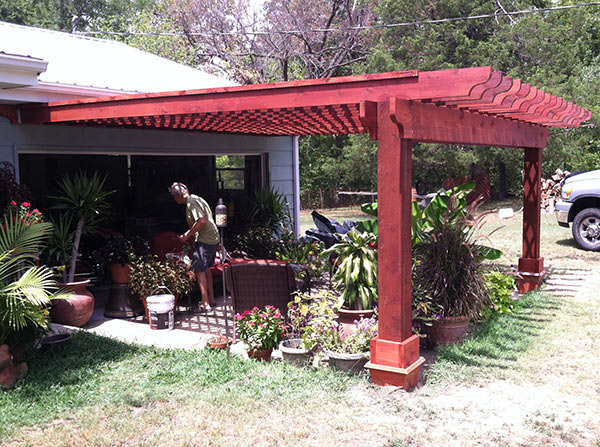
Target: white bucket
[[161, 311]]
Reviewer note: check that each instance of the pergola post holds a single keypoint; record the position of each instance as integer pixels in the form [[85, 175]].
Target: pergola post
[[395, 356], [531, 265]]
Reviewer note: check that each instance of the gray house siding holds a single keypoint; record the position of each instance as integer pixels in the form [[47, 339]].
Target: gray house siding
[[15, 139]]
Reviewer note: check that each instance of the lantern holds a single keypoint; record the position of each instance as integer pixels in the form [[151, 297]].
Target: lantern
[[221, 214]]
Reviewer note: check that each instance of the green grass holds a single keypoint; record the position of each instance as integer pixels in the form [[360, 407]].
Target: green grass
[[497, 344], [99, 372]]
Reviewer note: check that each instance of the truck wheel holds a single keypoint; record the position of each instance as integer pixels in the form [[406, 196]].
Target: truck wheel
[[586, 229]]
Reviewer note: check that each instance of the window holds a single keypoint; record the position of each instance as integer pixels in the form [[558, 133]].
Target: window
[[230, 171]]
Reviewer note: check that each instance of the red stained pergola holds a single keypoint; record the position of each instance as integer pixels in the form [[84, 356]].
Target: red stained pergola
[[472, 106]]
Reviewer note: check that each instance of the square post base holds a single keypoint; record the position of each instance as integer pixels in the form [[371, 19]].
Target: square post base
[[531, 273], [395, 363]]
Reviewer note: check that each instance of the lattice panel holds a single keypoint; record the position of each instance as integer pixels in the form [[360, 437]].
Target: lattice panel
[[316, 120]]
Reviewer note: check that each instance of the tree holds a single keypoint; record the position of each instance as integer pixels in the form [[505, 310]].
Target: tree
[[276, 43], [73, 15]]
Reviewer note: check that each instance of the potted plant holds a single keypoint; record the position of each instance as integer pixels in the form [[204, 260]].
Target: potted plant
[[119, 252], [449, 270], [26, 290], [148, 274], [349, 352], [84, 199], [219, 341], [261, 330], [309, 316], [356, 274], [306, 254]]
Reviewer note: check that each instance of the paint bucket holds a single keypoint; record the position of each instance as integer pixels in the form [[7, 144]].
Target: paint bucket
[[161, 311]]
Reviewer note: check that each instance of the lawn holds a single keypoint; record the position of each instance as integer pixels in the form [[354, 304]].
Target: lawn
[[524, 379]]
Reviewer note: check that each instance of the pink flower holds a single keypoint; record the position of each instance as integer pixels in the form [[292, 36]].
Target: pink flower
[[28, 214], [13, 203], [264, 315], [269, 307], [238, 317], [36, 211], [26, 204], [277, 315]]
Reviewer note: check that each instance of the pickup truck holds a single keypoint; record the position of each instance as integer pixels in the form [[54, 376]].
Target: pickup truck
[[580, 204]]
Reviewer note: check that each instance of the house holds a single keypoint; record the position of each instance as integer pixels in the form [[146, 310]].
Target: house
[[41, 66]]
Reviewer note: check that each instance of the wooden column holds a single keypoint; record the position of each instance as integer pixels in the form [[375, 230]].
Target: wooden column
[[531, 265], [395, 352]]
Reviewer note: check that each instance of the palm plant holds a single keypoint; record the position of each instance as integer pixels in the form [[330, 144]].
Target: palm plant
[[25, 290], [84, 198], [269, 209]]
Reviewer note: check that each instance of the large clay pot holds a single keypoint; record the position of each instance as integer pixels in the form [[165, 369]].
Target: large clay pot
[[77, 309], [347, 318], [448, 330], [120, 273]]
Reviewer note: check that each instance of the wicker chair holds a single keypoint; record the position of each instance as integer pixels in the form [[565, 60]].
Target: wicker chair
[[260, 283]]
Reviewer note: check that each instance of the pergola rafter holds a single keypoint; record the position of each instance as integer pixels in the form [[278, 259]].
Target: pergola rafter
[[473, 106]]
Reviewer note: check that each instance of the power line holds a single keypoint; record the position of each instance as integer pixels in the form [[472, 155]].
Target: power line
[[350, 28]]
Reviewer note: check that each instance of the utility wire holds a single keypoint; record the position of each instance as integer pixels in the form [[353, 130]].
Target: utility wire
[[350, 28]]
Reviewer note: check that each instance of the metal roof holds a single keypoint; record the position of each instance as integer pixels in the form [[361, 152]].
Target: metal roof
[[83, 61]]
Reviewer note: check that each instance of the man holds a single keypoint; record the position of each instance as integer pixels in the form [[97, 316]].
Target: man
[[205, 236]]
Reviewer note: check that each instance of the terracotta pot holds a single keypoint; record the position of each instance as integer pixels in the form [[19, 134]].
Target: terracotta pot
[[350, 363], [219, 342], [293, 351], [448, 330], [75, 310], [262, 355], [120, 273], [347, 318]]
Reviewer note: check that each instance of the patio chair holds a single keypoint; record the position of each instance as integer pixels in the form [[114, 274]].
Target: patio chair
[[259, 283]]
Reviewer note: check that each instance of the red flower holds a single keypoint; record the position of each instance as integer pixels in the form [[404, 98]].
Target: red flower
[[13, 203], [28, 214], [36, 211], [277, 315], [238, 317], [26, 204]]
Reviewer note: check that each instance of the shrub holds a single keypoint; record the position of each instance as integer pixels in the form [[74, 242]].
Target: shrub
[[500, 287]]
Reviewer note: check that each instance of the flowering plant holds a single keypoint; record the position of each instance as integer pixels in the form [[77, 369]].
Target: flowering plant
[[312, 315], [261, 328], [26, 214], [358, 342], [307, 253]]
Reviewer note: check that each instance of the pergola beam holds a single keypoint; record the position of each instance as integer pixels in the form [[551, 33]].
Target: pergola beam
[[429, 123]]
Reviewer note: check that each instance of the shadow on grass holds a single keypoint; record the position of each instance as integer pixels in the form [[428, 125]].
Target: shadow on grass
[[569, 242], [497, 344]]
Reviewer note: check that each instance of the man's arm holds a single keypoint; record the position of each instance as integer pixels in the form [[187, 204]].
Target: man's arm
[[198, 225]]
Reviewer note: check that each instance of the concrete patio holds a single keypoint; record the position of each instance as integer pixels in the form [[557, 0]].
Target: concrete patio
[[192, 329]]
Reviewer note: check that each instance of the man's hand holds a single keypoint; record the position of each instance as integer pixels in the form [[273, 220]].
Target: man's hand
[[182, 238]]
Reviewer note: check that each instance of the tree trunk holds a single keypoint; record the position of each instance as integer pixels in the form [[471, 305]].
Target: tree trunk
[[75, 251]]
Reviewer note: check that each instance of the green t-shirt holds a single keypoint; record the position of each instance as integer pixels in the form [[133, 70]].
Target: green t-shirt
[[197, 208]]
